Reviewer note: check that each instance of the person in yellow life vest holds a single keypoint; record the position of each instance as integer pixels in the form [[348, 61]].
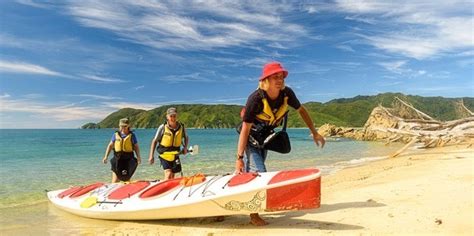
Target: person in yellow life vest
[[124, 144], [168, 140], [266, 109]]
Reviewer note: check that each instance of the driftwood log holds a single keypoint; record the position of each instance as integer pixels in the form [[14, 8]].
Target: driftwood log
[[405, 123]]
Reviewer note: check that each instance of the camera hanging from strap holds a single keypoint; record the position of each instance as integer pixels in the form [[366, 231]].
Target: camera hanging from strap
[[279, 141]]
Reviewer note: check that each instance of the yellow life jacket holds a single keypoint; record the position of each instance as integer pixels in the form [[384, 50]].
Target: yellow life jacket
[[273, 119], [169, 156], [170, 138], [123, 144]]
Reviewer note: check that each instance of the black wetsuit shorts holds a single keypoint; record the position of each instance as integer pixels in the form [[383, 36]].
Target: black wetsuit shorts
[[124, 165]]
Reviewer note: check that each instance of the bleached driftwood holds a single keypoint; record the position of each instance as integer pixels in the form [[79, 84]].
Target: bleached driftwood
[[414, 109], [413, 140], [404, 123], [423, 128], [464, 109]]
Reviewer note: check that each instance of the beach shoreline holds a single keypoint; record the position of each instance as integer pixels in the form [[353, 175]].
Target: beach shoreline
[[419, 192]]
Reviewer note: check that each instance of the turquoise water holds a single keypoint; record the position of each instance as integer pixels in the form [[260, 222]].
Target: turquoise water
[[36, 160]]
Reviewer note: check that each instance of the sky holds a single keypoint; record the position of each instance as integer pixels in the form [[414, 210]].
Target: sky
[[66, 63]]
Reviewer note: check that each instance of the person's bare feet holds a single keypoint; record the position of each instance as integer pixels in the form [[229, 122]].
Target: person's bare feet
[[256, 220]]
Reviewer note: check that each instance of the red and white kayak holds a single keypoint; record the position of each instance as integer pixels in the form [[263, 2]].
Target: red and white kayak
[[196, 196]]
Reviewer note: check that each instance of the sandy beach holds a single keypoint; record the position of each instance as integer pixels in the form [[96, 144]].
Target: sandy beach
[[419, 192]]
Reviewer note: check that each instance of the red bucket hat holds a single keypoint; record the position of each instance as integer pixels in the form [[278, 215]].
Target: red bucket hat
[[273, 68]]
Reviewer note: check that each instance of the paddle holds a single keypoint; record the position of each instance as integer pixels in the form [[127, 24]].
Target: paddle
[[170, 156], [193, 150]]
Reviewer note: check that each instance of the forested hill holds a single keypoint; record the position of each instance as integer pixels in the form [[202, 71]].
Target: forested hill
[[342, 112], [195, 115]]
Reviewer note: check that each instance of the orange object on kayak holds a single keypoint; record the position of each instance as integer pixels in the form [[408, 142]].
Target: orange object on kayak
[[193, 180]]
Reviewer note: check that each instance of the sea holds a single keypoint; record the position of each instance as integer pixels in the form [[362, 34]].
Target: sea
[[34, 161]]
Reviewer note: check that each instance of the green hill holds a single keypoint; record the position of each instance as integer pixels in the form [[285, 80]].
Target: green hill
[[198, 116], [342, 112]]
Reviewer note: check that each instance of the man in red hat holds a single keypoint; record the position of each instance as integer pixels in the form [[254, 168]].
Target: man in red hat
[[266, 109]]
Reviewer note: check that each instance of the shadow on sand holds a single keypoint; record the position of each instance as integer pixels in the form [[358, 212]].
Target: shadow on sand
[[275, 220]]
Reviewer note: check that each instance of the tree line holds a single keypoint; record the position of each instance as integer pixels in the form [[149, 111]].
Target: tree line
[[349, 112]]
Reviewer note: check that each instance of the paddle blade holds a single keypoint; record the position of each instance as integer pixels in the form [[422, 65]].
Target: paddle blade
[[194, 150]]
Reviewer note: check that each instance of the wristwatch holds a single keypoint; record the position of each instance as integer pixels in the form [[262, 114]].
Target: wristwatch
[[240, 157]]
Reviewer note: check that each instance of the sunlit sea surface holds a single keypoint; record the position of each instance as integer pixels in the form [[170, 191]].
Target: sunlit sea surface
[[33, 161]]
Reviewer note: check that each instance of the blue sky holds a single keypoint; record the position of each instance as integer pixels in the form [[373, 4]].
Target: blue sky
[[65, 63]]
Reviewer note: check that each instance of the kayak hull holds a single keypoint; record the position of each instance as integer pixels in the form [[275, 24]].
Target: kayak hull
[[266, 192]]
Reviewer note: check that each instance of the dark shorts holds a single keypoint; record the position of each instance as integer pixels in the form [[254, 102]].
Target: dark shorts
[[174, 166], [124, 166]]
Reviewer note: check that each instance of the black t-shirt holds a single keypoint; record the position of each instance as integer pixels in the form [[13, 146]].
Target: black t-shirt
[[254, 104]]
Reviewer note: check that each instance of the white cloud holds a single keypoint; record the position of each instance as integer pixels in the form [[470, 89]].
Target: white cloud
[[240, 100], [102, 79], [311, 9], [26, 68], [99, 97], [400, 67], [213, 100], [361, 6], [439, 90], [64, 113], [194, 77], [410, 46], [139, 87], [5, 95], [394, 66], [33, 96], [176, 25], [346, 48], [418, 29], [323, 94], [256, 62], [10, 41], [388, 84], [95, 57], [32, 3], [440, 75], [366, 20], [277, 45], [55, 112], [120, 105]]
